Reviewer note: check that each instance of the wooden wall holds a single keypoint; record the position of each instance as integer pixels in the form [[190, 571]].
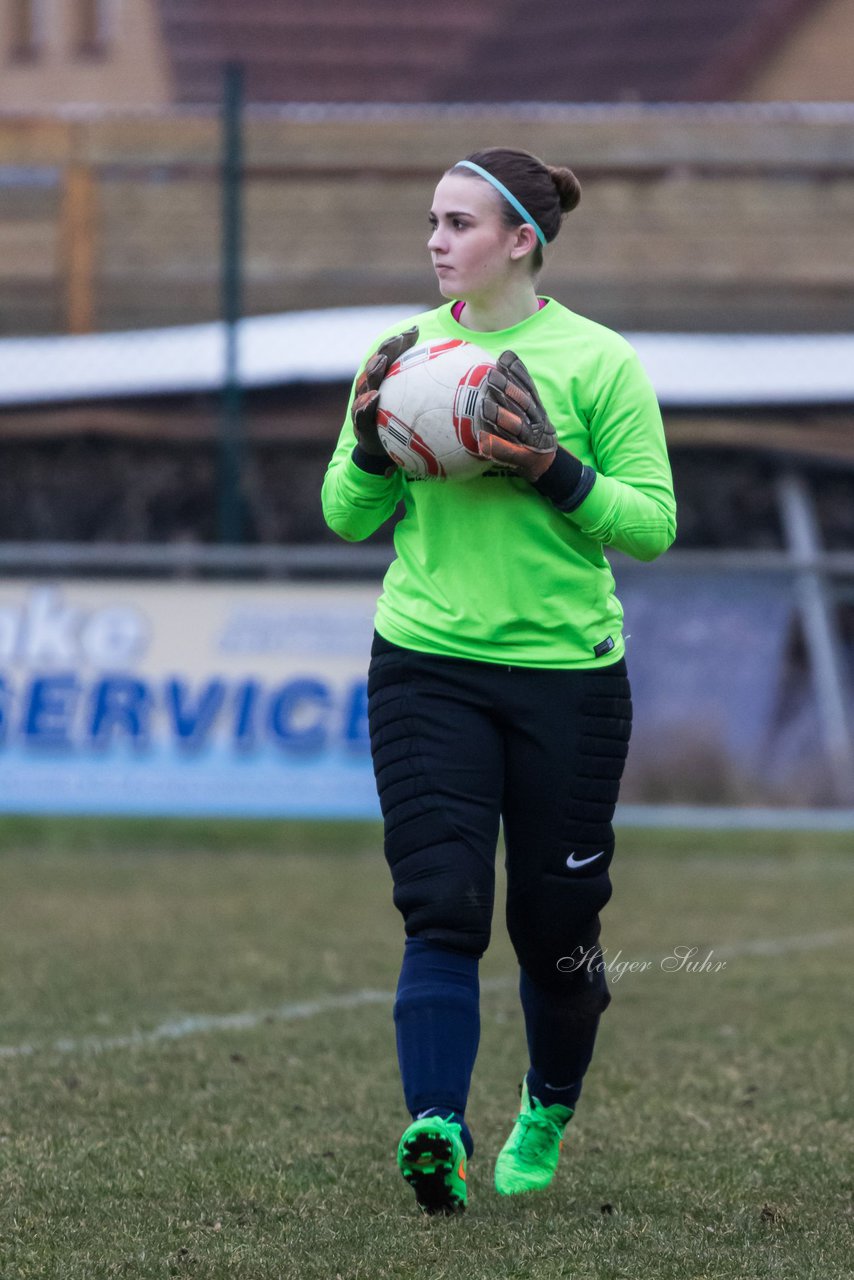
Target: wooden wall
[[715, 220]]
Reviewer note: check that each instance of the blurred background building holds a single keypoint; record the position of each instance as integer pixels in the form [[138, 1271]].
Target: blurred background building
[[167, 53], [715, 148]]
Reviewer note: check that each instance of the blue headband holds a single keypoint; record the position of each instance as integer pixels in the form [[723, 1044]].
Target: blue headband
[[508, 195]]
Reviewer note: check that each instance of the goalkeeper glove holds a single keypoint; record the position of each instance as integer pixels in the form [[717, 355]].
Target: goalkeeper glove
[[517, 433], [516, 430], [364, 409]]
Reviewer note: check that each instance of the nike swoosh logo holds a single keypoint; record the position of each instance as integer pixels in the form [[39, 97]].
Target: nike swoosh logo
[[572, 861]]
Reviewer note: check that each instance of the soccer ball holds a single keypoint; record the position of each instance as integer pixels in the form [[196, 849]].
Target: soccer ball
[[430, 410]]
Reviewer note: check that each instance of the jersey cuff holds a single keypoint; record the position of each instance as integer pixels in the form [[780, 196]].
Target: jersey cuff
[[567, 482], [371, 462]]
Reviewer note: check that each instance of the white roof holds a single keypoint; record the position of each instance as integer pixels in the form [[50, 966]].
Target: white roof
[[687, 370]]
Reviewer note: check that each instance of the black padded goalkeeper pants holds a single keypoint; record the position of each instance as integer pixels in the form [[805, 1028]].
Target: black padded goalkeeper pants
[[460, 746]]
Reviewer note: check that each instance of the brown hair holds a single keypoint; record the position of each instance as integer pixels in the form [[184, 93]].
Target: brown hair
[[548, 192]]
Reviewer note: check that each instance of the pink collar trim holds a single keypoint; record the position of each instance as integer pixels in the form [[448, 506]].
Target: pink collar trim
[[459, 307]]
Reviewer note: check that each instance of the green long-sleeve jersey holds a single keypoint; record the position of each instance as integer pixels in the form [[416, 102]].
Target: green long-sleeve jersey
[[490, 569]]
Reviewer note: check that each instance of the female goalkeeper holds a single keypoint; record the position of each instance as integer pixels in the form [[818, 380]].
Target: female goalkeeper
[[498, 687]]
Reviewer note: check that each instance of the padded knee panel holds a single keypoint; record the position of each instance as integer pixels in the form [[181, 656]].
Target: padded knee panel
[[436, 898], [443, 887], [555, 918]]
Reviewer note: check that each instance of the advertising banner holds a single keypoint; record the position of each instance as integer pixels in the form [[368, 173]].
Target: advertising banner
[[185, 698], [250, 700]]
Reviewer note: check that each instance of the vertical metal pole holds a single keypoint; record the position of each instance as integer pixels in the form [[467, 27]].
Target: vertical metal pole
[[821, 634], [230, 460]]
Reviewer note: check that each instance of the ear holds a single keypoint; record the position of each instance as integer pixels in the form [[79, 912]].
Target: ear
[[525, 241]]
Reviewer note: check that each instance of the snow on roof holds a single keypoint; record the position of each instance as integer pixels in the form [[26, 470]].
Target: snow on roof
[[687, 370]]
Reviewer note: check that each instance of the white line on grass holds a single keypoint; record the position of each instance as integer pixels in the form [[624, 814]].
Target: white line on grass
[[179, 1028], [698, 817], [780, 946]]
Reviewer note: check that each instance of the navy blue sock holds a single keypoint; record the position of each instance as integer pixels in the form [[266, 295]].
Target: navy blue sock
[[437, 1020], [560, 1043]]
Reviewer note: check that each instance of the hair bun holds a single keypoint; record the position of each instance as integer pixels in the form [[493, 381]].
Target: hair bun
[[568, 187]]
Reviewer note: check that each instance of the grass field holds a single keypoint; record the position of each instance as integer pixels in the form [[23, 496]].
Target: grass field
[[199, 1079]]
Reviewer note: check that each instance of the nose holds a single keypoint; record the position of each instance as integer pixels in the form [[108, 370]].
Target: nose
[[435, 243]]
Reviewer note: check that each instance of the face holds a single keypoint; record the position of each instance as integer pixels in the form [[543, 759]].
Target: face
[[474, 253]]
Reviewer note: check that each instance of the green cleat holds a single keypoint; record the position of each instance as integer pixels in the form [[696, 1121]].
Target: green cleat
[[432, 1159], [528, 1159]]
